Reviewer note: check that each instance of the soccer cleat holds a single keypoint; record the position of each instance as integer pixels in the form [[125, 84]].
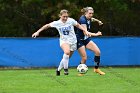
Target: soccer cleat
[[57, 73], [99, 71], [66, 72], [80, 74]]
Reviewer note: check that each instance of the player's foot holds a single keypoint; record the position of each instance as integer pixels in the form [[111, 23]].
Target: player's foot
[[99, 71], [80, 74], [57, 73], [66, 72]]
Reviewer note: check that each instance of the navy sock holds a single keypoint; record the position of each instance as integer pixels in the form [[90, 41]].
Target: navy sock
[[97, 61]]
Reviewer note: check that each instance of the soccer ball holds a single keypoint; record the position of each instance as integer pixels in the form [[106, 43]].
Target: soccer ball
[[82, 68]]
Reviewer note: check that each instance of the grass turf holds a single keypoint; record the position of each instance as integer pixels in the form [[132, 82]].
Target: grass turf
[[116, 80]]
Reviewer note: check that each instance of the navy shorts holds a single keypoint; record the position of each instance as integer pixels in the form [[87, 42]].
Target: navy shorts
[[81, 42]]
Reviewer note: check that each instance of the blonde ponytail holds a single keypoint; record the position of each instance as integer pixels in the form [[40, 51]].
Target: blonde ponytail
[[84, 10]]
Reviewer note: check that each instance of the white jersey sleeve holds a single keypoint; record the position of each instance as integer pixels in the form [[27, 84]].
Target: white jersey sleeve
[[54, 24], [74, 22]]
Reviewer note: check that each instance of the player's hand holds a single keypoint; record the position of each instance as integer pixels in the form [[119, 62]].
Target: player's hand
[[99, 33], [100, 22], [87, 33], [34, 35]]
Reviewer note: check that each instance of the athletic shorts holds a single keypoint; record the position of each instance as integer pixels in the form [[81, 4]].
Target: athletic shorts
[[73, 47], [81, 42]]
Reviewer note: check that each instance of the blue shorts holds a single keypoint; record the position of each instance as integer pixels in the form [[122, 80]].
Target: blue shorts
[[81, 42]]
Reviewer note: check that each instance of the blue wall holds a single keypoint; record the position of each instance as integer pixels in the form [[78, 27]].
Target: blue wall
[[45, 52]]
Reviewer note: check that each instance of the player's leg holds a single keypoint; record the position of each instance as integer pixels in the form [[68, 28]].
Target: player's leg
[[73, 47], [71, 53], [64, 62], [66, 48], [81, 51], [93, 47], [83, 54]]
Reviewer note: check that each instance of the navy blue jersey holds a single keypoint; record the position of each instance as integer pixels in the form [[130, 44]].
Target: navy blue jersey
[[79, 32]]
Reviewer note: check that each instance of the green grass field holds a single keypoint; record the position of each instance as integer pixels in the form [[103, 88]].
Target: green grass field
[[116, 80]]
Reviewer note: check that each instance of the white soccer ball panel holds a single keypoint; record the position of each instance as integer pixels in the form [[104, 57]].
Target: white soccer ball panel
[[82, 68]]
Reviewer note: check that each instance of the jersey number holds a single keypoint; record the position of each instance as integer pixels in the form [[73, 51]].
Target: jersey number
[[66, 32]]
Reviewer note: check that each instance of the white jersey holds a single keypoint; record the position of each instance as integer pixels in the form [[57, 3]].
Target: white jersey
[[66, 30]]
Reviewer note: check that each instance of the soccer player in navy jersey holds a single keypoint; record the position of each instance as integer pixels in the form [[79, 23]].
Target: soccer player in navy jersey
[[84, 41], [68, 42]]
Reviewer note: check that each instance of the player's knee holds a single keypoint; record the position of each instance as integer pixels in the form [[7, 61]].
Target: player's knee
[[67, 52]]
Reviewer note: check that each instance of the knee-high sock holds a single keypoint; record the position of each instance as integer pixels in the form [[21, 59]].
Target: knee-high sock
[[97, 61], [64, 62], [60, 65]]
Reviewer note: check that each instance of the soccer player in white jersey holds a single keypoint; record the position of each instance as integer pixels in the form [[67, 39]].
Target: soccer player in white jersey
[[68, 42]]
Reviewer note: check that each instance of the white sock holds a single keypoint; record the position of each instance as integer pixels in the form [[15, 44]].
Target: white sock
[[60, 65], [65, 61]]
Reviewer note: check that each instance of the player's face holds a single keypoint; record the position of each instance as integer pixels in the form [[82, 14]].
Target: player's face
[[89, 14], [64, 17]]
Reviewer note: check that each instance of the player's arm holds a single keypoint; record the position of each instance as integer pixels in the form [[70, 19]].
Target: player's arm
[[83, 28], [96, 20], [41, 29], [90, 33], [96, 34]]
